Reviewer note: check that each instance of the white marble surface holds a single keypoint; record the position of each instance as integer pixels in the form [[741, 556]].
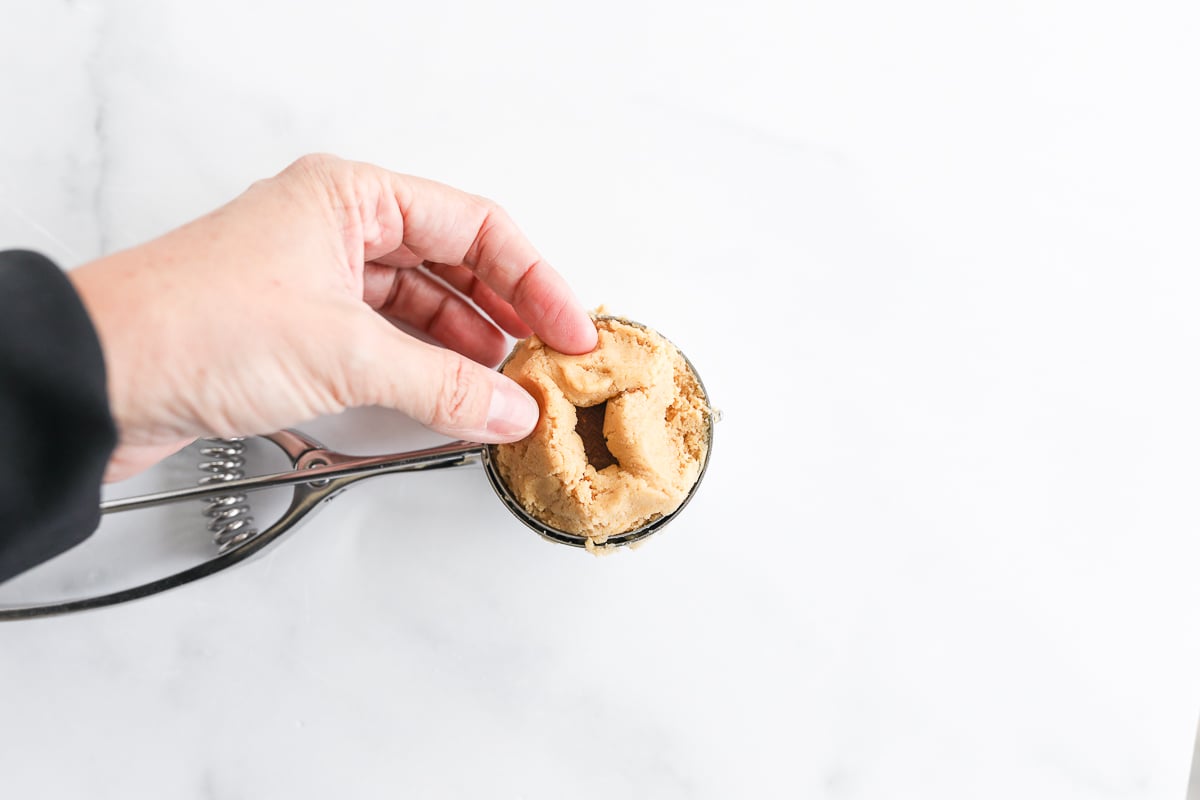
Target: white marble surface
[[939, 267]]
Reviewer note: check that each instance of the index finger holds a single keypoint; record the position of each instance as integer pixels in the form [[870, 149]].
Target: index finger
[[444, 225]]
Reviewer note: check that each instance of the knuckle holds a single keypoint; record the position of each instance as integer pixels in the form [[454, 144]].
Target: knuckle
[[321, 172], [315, 163], [492, 216], [485, 204], [456, 394], [494, 232], [330, 183]]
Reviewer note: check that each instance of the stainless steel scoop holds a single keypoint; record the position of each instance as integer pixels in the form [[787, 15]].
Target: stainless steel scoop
[[317, 476]]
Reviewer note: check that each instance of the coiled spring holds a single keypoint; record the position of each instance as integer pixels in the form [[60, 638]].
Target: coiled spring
[[229, 517]]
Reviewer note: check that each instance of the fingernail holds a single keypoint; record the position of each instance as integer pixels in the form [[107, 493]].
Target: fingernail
[[512, 413]]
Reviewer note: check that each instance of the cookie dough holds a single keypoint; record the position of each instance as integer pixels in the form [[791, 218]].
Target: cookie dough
[[622, 437]]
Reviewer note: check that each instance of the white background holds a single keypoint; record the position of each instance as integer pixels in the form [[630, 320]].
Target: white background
[[937, 263]]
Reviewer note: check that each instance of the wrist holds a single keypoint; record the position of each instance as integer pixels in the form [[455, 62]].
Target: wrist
[[134, 343]]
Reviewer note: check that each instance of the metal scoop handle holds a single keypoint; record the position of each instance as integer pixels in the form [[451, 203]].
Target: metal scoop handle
[[314, 466], [319, 475]]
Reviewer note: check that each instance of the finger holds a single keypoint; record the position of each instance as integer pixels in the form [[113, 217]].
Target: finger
[[447, 226], [444, 391], [468, 284], [505, 260], [414, 298], [401, 257], [129, 459]]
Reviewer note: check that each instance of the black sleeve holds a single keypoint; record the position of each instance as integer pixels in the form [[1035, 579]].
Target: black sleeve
[[56, 432]]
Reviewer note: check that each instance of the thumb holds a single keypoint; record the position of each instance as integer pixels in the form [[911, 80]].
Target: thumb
[[449, 393]]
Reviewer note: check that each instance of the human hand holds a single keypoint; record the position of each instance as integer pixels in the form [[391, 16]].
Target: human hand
[[279, 307]]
